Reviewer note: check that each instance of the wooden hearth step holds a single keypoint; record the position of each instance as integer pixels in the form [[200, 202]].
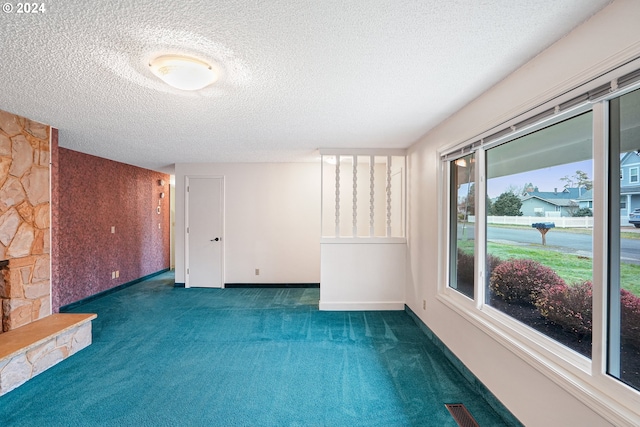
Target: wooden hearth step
[[33, 348]]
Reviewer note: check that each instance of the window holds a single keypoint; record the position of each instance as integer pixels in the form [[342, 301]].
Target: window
[[462, 209], [624, 258], [533, 271], [511, 249]]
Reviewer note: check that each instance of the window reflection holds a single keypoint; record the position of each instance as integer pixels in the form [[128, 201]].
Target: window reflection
[[463, 205]]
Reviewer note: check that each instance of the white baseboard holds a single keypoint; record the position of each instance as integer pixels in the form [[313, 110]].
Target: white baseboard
[[362, 306]]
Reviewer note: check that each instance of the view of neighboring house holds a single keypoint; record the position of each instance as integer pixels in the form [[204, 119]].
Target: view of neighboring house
[[629, 183], [586, 200], [551, 203], [566, 202]]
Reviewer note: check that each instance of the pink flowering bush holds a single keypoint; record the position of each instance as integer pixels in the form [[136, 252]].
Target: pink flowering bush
[[630, 318], [520, 280], [567, 306]]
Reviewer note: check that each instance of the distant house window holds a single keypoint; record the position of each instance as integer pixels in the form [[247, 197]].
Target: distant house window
[[590, 204], [633, 175], [623, 204]]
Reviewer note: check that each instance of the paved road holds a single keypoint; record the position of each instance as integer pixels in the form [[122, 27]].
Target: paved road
[[556, 238]]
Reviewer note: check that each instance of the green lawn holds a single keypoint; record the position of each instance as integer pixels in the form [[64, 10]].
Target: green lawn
[[571, 268]]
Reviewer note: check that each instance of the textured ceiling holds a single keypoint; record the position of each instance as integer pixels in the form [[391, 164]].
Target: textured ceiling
[[298, 74]]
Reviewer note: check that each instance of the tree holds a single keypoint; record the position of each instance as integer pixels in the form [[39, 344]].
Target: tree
[[507, 204], [579, 180], [572, 208], [470, 201], [528, 188], [467, 204]]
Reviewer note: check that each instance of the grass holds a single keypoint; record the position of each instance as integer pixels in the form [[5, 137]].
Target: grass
[[571, 268]]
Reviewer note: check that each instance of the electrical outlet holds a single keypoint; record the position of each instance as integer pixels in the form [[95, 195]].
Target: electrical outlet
[[113, 229], [113, 274], [424, 304], [117, 274], [257, 271]]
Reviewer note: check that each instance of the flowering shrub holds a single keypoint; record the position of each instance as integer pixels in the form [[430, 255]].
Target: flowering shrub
[[567, 306], [520, 280], [630, 317]]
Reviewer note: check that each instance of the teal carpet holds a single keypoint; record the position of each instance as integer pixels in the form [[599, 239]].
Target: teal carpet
[[165, 356]]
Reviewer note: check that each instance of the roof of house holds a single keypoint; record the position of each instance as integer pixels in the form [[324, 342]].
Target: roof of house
[[565, 193], [555, 202]]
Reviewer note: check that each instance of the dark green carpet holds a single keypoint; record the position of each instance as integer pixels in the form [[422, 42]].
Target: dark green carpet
[[165, 356]]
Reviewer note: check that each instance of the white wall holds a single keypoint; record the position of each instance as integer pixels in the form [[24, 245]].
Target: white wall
[[363, 276], [609, 39], [272, 220]]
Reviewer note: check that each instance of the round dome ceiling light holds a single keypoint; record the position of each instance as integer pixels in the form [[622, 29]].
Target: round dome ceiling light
[[183, 72]]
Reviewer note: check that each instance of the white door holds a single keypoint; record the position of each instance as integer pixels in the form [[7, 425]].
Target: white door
[[204, 232]]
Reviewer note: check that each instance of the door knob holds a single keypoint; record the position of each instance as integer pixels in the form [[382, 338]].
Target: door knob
[[216, 239]]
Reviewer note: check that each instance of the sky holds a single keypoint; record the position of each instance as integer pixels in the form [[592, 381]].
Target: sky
[[546, 179]]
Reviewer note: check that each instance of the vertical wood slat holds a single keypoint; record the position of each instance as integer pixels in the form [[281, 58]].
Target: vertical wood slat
[[388, 196], [372, 170], [355, 196], [337, 196]]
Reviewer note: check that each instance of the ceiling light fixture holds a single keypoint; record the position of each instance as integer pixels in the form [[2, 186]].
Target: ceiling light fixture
[[183, 72]]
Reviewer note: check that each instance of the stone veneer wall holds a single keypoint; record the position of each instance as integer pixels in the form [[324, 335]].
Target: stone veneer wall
[[24, 220], [90, 195]]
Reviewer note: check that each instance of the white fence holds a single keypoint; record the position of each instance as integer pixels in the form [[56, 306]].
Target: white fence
[[560, 222]]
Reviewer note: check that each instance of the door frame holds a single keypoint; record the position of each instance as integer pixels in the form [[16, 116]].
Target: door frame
[[186, 226]]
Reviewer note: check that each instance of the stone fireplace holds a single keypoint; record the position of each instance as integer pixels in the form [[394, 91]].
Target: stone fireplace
[[25, 286]]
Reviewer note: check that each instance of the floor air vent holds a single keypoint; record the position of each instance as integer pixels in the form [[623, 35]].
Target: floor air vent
[[461, 414]]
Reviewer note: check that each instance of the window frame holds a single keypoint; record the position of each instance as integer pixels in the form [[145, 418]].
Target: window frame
[[632, 175], [586, 379]]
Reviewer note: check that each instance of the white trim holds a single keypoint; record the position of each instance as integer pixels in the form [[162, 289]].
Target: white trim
[[600, 238], [637, 175], [362, 306]]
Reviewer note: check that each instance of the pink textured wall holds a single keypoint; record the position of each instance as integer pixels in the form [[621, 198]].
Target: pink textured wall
[[90, 195]]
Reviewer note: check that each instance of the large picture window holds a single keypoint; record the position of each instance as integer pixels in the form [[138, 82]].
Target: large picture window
[[543, 236], [539, 261]]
